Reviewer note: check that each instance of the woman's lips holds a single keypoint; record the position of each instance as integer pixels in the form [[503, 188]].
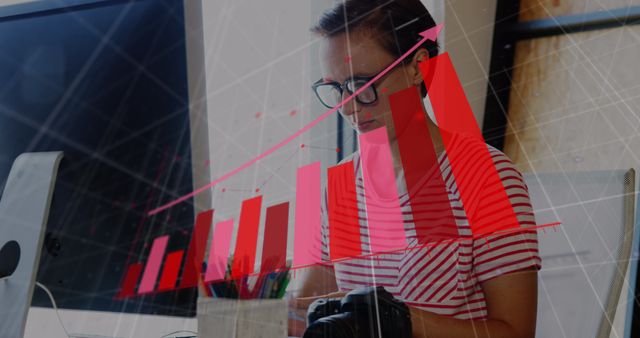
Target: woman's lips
[[363, 126]]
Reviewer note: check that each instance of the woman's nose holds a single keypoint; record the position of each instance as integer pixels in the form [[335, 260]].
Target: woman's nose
[[350, 107]]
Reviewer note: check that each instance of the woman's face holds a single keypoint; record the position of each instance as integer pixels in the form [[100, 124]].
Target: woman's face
[[362, 55]]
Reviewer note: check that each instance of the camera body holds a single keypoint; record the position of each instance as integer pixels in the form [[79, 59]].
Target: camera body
[[365, 312]]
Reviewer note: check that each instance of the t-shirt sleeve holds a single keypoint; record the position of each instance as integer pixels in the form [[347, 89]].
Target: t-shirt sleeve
[[503, 253]]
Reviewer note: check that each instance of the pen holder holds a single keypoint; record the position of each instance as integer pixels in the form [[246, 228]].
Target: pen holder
[[246, 318]]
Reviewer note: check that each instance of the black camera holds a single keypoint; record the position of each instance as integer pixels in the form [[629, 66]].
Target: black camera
[[365, 312]]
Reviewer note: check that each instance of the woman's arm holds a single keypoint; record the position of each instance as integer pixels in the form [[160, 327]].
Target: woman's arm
[[312, 281], [511, 308], [309, 283]]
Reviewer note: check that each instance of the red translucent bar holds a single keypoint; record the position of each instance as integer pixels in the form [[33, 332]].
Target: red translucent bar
[[170, 271], [154, 262], [245, 252], [428, 197], [219, 251], [344, 227], [192, 272], [130, 280], [307, 245], [384, 214], [483, 195], [274, 250]]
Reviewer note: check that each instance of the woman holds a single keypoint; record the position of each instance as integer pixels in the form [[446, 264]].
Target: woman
[[465, 288]]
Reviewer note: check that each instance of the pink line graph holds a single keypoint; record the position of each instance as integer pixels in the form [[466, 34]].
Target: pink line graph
[[384, 216], [307, 246], [430, 34], [151, 270], [219, 251]]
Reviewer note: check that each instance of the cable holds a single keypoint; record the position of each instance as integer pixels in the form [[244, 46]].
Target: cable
[[181, 331], [55, 307]]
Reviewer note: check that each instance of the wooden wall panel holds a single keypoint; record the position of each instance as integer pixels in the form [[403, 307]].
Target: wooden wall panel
[[542, 9], [575, 102]]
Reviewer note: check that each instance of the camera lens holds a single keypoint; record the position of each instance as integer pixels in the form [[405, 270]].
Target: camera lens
[[342, 325], [322, 308]]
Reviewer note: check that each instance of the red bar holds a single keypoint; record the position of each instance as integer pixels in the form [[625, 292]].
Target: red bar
[[154, 262], [484, 198], [344, 227], [170, 271], [274, 250], [428, 197], [219, 251], [245, 252], [130, 280], [382, 202], [307, 241], [192, 273]]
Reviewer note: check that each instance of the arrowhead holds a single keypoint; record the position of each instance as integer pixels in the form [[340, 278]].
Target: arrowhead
[[432, 33]]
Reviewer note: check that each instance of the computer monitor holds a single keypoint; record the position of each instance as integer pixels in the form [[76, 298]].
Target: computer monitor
[[24, 210], [106, 83]]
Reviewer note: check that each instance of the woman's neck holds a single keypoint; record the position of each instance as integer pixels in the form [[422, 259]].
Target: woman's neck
[[436, 139]]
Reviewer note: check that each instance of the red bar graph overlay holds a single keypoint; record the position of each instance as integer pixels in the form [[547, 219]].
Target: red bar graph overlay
[[170, 271], [307, 246], [154, 262], [428, 197], [245, 252], [274, 250], [484, 198], [192, 272], [219, 251], [344, 226], [130, 280], [384, 216]]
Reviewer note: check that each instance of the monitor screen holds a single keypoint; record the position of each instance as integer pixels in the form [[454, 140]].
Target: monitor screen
[[105, 82]]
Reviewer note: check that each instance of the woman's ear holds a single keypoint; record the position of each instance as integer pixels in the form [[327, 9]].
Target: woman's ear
[[420, 56]]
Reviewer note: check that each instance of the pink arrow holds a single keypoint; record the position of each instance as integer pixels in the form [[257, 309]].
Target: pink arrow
[[432, 33], [429, 34]]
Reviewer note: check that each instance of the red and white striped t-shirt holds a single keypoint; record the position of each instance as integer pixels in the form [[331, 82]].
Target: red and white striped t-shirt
[[443, 279]]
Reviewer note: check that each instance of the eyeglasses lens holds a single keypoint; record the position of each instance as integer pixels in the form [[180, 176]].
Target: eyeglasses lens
[[367, 96], [329, 95]]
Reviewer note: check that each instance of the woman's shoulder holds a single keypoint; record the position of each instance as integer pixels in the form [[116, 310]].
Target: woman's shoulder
[[503, 164], [469, 145], [354, 156]]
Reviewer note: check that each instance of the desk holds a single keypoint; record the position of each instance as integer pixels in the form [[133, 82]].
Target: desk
[[42, 322]]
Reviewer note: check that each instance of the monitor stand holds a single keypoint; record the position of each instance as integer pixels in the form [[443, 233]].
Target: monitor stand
[[24, 210]]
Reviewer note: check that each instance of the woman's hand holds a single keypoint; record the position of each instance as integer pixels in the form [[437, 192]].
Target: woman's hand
[[304, 302], [298, 311]]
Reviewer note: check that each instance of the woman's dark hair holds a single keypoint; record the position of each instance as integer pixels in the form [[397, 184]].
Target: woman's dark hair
[[397, 23]]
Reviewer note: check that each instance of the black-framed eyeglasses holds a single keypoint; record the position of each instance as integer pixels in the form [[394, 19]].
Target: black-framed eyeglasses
[[330, 93]]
